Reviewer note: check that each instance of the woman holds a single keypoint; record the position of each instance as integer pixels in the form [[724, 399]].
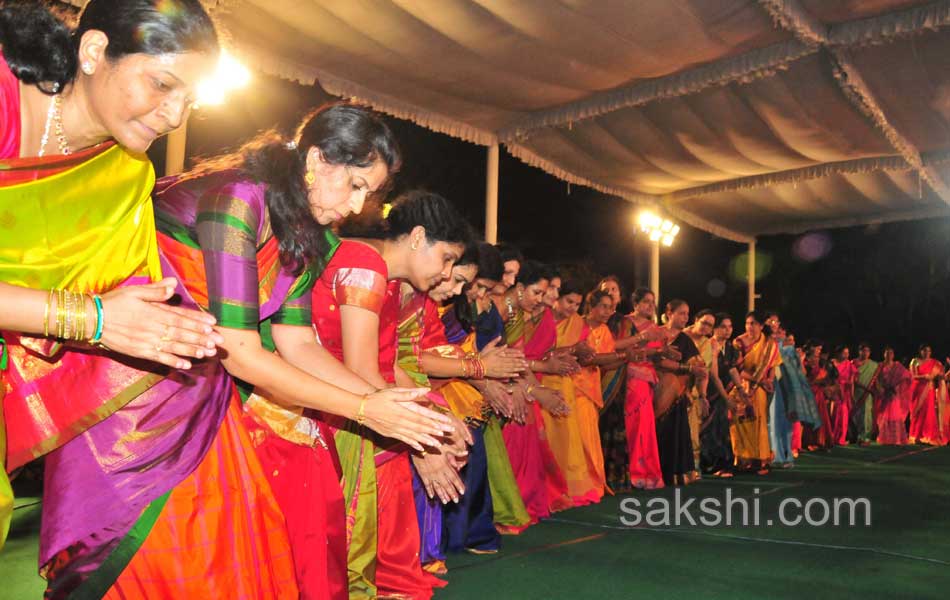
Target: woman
[[758, 357], [643, 456], [822, 379], [356, 312], [475, 323], [424, 352], [847, 373], [246, 235], [531, 327], [43, 90], [676, 376], [716, 450], [924, 425], [600, 307], [865, 380], [583, 471], [613, 385], [893, 390]]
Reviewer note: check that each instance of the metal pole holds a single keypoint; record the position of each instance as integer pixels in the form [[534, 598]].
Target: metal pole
[[751, 275], [175, 150], [491, 196], [655, 270]]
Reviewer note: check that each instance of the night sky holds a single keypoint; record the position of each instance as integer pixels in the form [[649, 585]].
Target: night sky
[[886, 284]]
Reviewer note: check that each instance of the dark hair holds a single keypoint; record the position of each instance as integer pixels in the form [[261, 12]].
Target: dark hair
[[532, 271], [571, 287], [864, 345], [922, 346], [703, 313], [41, 50], [640, 294], [345, 134], [769, 313], [469, 255], [674, 304], [490, 265], [840, 349], [760, 318], [415, 208], [594, 297], [722, 316], [509, 252]]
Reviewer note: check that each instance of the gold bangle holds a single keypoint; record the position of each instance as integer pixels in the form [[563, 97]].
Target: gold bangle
[[360, 417], [61, 314], [49, 301]]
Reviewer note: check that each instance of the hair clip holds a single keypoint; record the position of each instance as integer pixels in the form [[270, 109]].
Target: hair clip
[[291, 145]]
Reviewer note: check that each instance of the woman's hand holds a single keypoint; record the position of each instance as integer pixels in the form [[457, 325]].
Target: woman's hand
[[457, 443], [551, 401], [438, 476], [498, 398], [561, 364], [519, 403], [502, 362], [136, 322], [396, 413]]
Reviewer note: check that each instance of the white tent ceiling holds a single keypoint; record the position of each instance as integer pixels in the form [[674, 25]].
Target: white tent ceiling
[[740, 117]]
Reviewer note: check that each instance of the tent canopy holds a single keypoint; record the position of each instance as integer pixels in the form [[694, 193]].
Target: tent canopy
[[740, 117]]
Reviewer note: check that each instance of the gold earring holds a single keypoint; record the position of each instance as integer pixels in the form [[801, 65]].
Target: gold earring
[[413, 246], [310, 178]]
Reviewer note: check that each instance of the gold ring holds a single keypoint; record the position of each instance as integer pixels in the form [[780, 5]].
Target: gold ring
[[165, 336], [158, 348]]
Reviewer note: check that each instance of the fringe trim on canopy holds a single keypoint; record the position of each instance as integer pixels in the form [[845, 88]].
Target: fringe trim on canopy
[[886, 27], [937, 212], [789, 15], [860, 95], [863, 165], [747, 67], [338, 86]]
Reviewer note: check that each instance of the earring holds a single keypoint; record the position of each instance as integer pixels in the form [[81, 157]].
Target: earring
[[413, 246], [310, 178], [87, 68], [520, 294]]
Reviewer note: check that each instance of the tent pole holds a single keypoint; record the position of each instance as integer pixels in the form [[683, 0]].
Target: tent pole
[[491, 196], [751, 275], [175, 150], [655, 270]]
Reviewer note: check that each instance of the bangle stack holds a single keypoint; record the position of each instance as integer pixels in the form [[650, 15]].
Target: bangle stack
[[473, 367], [71, 316]]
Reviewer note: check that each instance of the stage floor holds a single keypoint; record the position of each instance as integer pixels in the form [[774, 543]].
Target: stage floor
[[589, 553]]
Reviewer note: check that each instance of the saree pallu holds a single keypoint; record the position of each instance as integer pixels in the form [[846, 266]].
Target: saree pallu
[[57, 232], [924, 422], [643, 452], [539, 478], [895, 384], [861, 427], [590, 401], [612, 420], [584, 486], [673, 436], [509, 512], [169, 440], [792, 404], [304, 474], [750, 433]]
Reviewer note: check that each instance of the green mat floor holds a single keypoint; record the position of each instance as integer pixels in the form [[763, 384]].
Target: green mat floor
[[589, 553]]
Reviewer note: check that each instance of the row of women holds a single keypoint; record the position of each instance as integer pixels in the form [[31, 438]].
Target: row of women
[[869, 401], [229, 399]]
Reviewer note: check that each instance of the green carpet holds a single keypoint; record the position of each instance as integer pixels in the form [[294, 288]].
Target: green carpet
[[588, 553]]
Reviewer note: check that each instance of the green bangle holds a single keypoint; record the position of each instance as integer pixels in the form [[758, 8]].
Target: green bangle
[[98, 335]]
